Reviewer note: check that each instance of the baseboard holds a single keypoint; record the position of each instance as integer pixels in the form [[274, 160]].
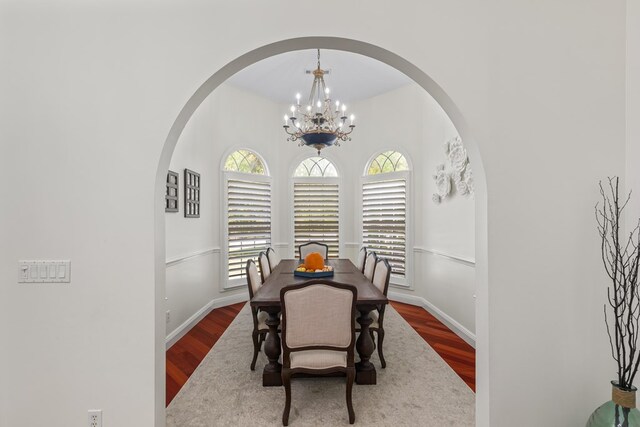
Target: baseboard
[[457, 328], [181, 330]]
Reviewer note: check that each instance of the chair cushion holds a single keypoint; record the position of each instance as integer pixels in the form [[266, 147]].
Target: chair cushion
[[318, 359], [373, 314]]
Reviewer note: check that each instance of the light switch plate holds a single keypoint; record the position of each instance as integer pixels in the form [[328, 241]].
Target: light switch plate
[[44, 271]]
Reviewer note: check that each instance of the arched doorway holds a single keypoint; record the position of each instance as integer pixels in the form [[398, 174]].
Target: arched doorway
[[423, 80]]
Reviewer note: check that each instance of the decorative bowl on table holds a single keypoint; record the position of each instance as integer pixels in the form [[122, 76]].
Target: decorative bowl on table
[[313, 267]]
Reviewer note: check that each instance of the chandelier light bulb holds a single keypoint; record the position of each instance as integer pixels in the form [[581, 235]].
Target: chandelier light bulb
[[308, 107], [352, 118], [344, 108], [298, 98], [293, 109], [326, 91], [319, 104], [286, 119]]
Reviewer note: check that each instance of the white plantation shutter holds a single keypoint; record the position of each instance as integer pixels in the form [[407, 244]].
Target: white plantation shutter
[[316, 212], [384, 219], [248, 213]]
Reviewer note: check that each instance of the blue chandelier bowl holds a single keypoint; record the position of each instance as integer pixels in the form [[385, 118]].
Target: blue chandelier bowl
[[319, 139]]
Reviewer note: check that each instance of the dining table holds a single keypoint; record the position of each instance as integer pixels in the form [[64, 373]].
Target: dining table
[[267, 299]]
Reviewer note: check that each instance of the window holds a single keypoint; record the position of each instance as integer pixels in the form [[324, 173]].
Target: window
[[247, 207], [316, 204], [384, 210]]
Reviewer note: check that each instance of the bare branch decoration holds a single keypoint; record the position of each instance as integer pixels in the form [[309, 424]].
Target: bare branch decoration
[[621, 260]]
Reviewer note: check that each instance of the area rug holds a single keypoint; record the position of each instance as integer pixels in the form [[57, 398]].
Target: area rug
[[416, 389]]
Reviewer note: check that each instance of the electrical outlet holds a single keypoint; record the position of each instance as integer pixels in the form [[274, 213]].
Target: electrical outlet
[[95, 418], [168, 316]]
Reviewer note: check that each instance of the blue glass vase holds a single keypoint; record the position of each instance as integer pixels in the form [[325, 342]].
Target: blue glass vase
[[620, 411]]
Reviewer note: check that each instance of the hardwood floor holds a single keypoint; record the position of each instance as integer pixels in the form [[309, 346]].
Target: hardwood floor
[[453, 349], [185, 355]]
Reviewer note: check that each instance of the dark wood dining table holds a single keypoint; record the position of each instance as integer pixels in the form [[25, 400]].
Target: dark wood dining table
[[267, 298]]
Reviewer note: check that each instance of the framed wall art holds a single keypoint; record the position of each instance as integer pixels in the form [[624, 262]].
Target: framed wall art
[[171, 196], [191, 194]]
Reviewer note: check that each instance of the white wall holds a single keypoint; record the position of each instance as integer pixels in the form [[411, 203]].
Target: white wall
[[90, 93], [194, 248], [411, 121], [633, 108]]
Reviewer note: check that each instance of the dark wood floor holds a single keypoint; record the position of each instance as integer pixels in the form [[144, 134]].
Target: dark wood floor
[[185, 355], [453, 349]]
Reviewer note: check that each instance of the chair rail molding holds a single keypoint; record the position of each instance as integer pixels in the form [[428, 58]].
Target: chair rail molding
[[465, 261], [191, 256], [468, 336]]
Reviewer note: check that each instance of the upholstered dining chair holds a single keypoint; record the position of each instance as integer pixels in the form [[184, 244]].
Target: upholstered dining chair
[[370, 265], [260, 327], [273, 258], [362, 256], [318, 334], [306, 248], [265, 268], [381, 277]]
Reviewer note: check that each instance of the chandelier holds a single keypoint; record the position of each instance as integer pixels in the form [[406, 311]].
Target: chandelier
[[319, 123]]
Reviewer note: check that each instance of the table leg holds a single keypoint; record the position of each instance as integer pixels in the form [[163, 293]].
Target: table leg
[[365, 371], [271, 376]]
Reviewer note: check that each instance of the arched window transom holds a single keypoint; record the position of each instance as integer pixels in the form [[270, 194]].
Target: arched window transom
[[389, 161], [245, 161], [316, 167]]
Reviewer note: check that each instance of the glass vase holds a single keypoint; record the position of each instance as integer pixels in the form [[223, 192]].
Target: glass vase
[[620, 411]]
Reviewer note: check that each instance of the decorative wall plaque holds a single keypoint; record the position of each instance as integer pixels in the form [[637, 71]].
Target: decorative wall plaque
[[171, 196], [191, 194], [456, 169]]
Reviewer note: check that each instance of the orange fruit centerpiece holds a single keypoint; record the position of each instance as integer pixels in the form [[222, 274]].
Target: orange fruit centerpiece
[[314, 261]]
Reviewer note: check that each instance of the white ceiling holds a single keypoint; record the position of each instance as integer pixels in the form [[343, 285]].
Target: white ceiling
[[352, 77]]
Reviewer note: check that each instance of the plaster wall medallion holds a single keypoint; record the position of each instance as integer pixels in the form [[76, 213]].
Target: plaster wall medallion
[[455, 175], [462, 188], [468, 179], [443, 183], [457, 155]]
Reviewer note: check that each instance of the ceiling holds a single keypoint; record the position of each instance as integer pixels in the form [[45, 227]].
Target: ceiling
[[352, 77]]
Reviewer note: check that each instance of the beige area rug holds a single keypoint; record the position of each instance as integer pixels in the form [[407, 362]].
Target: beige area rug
[[416, 389]]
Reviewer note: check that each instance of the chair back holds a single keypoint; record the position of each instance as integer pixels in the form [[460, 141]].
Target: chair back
[[318, 315], [265, 269], [273, 258], [253, 278], [306, 248], [362, 255], [370, 265], [381, 275]]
